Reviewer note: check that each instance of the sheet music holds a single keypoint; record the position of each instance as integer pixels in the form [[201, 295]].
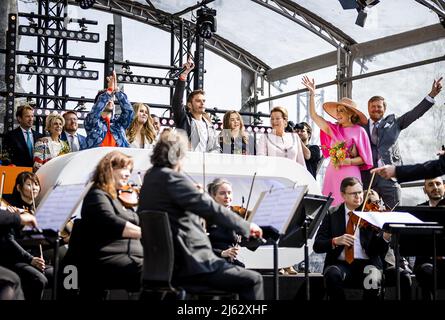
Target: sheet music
[[57, 207], [378, 219], [276, 207]]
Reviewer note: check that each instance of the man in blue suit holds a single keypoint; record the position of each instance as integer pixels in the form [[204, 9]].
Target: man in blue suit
[[383, 133], [76, 141]]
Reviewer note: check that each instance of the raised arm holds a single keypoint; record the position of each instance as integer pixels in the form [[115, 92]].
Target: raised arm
[[409, 117], [319, 121], [178, 108]]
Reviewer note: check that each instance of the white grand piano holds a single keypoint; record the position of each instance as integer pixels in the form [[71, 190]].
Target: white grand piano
[[271, 172]]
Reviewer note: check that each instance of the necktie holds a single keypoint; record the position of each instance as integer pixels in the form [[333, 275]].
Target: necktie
[[375, 134], [29, 143], [73, 145], [349, 251]]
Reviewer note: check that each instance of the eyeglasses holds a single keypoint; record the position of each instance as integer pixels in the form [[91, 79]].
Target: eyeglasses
[[355, 194]]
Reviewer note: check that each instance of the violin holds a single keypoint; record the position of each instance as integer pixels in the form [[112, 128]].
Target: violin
[[129, 196], [243, 212]]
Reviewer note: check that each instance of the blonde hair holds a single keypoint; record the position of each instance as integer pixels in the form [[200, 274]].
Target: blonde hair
[[282, 110], [226, 125], [148, 131], [50, 120]]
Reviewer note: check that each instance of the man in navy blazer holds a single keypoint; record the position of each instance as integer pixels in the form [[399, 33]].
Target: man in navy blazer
[[75, 141], [385, 149], [19, 143]]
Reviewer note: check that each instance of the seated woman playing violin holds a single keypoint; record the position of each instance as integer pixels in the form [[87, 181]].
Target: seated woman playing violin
[[28, 264], [224, 241], [110, 239], [26, 190]]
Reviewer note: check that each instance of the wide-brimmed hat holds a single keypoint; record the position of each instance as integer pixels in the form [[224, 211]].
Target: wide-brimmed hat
[[331, 109]]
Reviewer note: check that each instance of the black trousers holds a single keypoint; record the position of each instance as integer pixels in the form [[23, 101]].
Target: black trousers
[[33, 280], [424, 277], [360, 274], [405, 281], [118, 271], [247, 284], [10, 287]]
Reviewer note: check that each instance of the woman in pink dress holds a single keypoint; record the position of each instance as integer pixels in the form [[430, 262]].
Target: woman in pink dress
[[346, 130]]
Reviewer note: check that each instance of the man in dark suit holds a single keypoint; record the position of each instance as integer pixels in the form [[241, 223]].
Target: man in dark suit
[[435, 190], [76, 141], [165, 188], [427, 170], [383, 134], [19, 143], [353, 258]]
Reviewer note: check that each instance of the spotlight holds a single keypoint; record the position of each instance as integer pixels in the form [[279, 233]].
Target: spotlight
[[86, 4], [206, 22], [31, 60], [82, 26], [80, 105], [257, 119], [126, 69], [31, 21], [361, 18]]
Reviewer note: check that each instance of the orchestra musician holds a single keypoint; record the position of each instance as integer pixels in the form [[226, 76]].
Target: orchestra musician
[[10, 284], [224, 241], [350, 251], [26, 189], [110, 240], [32, 270], [166, 188]]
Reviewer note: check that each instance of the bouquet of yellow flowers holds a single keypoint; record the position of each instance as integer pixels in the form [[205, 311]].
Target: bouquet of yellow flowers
[[338, 152]]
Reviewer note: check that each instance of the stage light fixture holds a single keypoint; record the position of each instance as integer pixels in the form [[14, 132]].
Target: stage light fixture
[[153, 81], [32, 23], [206, 22], [56, 33], [86, 4], [83, 27], [49, 71], [126, 69], [80, 105]]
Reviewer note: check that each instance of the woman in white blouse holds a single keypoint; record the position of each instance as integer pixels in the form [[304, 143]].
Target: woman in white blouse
[[50, 147], [141, 132], [280, 143]]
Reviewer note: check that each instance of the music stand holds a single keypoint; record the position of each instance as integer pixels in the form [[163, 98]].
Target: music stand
[[53, 213], [293, 225], [416, 240]]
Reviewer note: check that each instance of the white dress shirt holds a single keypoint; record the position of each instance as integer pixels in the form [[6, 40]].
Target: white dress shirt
[[359, 253]]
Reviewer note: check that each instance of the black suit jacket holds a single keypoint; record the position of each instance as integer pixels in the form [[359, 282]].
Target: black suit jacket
[[14, 143], [427, 170], [103, 221], [334, 225], [166, 190]]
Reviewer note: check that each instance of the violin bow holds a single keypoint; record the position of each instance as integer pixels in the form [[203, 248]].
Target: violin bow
[[2, 186], [250, 193], [33, 200], [364, 202]]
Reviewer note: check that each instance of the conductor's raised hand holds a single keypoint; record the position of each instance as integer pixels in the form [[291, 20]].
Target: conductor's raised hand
[[309, 84], [386, 172], [255, 231], [436, 88]]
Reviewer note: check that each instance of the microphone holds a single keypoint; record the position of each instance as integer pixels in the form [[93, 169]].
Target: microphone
[[178, 72]]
